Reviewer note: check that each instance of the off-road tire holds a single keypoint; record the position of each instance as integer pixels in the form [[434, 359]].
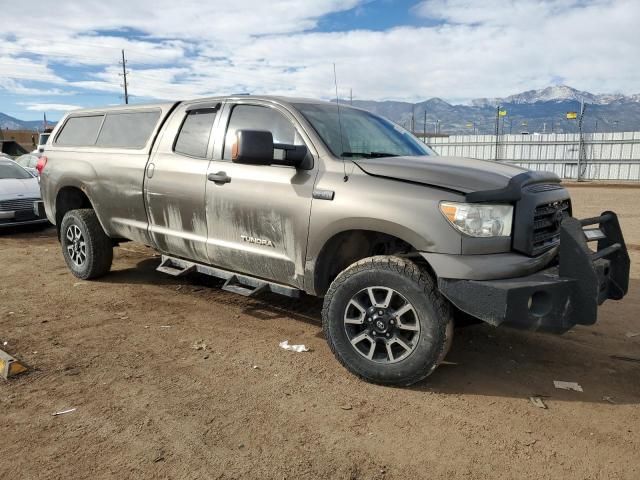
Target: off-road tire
[[98, 246], [417, 286]]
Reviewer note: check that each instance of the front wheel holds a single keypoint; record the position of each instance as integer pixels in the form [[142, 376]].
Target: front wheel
[[87, 250], [386, 322]]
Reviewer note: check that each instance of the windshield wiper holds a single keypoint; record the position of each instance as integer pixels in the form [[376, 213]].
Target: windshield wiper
[[368, 155]]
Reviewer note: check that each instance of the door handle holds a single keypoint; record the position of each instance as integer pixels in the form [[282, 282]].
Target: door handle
[[220, 177], [150, 169]]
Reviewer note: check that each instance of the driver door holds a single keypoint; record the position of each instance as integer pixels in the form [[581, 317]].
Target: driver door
[[258, 217]]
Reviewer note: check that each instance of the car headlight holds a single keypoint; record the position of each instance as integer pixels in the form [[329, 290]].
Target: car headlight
[[479, 220]]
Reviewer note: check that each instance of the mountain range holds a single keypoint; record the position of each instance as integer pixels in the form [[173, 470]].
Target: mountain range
[[543, 110], [11, 123]]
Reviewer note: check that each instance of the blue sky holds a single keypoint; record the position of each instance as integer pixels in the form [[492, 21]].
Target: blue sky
[[383, 49]]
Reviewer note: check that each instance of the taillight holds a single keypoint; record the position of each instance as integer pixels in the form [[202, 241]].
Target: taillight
[[42, 162]]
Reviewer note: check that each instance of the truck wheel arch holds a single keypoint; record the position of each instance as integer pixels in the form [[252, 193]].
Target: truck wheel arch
[[71, 198], [347, 247]]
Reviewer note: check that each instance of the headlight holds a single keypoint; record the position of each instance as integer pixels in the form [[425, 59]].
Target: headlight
[[479, 220]]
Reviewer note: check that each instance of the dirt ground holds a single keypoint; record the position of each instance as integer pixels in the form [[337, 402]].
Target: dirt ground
[[123, 351]]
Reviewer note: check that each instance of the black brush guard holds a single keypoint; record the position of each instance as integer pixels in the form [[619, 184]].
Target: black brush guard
[[564, 294]]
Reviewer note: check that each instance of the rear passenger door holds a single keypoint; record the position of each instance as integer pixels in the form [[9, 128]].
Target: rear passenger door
[[258, 220], [176, 180]]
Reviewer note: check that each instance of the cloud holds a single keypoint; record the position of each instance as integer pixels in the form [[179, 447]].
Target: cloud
[[49, 107], [27, 68], [17, 88], [465, 49]]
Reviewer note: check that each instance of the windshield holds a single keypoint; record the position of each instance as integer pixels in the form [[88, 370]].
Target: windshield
[[11, 170], [364, 135]]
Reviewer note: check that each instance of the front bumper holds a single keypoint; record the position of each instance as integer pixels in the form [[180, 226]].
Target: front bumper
[[24, 216], [562, 295]]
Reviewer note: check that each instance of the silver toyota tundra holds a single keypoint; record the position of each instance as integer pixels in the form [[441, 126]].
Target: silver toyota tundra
[[293, 195]]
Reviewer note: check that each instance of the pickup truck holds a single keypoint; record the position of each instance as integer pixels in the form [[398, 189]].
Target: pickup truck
[[298, 196]]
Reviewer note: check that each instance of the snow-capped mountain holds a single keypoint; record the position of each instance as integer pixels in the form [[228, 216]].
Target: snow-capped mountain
[[556, 93], [541, 110]]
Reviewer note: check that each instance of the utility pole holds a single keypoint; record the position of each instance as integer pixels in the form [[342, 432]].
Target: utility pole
[[582, 151], [425, 125], [497, 129], [124, 75], [413, 118]]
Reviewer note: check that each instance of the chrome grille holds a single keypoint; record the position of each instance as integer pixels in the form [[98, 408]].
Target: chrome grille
[[17, 204]]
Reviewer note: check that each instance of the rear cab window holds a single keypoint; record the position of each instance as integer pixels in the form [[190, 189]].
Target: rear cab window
[[127, 130], [192, 139], [80, 131], [117, 129]]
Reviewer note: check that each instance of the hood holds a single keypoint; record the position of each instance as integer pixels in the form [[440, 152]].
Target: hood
[[463, 175], [14, 187]]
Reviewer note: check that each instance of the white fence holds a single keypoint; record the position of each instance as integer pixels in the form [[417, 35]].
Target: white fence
[[609, 156]]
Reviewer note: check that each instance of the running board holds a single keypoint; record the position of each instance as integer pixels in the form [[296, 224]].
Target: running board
[[233, 285], [235, 282], [170, 267]]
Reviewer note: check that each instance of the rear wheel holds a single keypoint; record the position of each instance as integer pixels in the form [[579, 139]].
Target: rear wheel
[[87, 250], [386, 322]]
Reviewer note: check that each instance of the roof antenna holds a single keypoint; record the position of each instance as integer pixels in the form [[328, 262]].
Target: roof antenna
[[335, 81]]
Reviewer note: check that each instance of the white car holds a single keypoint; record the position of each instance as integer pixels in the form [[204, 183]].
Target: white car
[[20, 202], [29, 161]]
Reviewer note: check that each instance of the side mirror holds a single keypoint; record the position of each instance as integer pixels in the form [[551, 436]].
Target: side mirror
[[293, 155], [254, 147]]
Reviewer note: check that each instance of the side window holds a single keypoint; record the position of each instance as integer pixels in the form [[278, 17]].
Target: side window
[[193, 137], [80, 131], [127, 129], [253, 117]]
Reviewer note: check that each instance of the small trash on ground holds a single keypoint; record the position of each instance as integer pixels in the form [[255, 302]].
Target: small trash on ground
[[4, 344], [293, 348], [625, 359], [165, 326], [632, 334], [445, 362], [63, 412], [609, 399], [199, 345], [346, 407], [255, 367], [538, 402], [567, 386]]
